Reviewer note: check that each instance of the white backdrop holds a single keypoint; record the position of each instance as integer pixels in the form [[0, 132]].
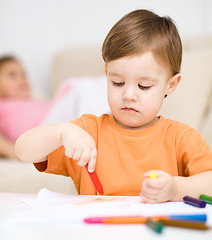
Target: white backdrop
[[35, 30]]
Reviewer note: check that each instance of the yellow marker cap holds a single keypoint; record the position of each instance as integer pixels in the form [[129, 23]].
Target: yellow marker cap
[[153, 175]]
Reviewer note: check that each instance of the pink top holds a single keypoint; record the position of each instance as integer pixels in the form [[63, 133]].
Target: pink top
[[19, 115]]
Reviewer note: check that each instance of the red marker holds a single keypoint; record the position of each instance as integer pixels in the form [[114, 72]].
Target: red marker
[[95, 180]]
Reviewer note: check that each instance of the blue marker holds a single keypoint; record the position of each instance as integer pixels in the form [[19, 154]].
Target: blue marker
[[192, 217]]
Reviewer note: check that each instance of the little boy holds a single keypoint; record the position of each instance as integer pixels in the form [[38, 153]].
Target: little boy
[[142, 55]]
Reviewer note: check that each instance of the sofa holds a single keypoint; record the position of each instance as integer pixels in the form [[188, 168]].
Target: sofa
[[191, 103]]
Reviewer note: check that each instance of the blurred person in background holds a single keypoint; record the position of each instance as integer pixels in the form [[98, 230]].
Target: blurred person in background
[[19, 111]]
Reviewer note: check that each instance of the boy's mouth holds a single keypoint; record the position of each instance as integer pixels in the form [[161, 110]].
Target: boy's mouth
[[129, 109]]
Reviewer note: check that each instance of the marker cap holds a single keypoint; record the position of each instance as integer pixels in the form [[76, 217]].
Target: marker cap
[[154, 225], [153, 175], [206, 198]]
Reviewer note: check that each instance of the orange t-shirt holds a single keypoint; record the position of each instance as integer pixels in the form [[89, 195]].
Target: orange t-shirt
[[123, 156]]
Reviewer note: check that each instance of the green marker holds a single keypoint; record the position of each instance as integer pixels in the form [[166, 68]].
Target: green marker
[[206, 198], [155, 226]]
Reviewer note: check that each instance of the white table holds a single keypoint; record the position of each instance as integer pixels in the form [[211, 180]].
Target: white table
[[12, 204]]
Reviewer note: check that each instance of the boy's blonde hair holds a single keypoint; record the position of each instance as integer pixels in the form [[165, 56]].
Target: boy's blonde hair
[[140, 31]]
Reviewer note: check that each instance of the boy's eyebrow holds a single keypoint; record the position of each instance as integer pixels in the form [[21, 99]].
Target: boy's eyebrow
[[145, 78], [114, 74], [148, 79]]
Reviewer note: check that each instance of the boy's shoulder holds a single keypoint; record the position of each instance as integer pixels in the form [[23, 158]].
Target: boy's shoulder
[[90, 120], [177, 128], [175, 124]]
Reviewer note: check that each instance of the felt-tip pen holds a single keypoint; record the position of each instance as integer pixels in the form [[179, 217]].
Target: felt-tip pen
[[206, 198], [194, 202], [142, 219], [94, 178], [184, 224], [156, 226]]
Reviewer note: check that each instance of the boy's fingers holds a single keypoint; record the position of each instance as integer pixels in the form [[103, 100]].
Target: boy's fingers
[[69, 152], [155, 183], [77, 154], [150, 192], [146, 174], [84, 158], [92, 162], [147, 199]]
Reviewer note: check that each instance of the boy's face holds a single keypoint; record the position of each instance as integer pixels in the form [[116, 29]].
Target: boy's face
[[13, 82], [136, 89]]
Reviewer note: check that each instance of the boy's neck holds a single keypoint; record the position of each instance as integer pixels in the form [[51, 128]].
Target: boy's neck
[[147, 125]]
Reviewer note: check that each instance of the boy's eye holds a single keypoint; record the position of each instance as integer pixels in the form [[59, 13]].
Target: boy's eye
[[144, 87], [118, 84]]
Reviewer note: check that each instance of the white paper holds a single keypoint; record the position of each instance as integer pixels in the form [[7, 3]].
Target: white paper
[[50, 208]]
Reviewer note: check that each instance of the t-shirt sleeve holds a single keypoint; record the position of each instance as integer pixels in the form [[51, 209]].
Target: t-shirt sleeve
[[194, 153], [56, 163]]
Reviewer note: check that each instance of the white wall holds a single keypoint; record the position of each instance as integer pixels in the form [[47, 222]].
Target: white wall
[[35, 30]]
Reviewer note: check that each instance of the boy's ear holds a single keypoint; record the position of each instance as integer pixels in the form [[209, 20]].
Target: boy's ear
[[173, 82]]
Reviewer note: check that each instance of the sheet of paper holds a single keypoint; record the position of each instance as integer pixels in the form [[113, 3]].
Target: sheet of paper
[[54, 208]]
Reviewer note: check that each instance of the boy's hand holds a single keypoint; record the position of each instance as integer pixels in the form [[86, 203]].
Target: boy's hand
[[160, 189], [79, 145]]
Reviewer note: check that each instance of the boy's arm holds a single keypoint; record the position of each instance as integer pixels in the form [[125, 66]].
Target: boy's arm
[[192, 186], [168, 188], [36, 144]]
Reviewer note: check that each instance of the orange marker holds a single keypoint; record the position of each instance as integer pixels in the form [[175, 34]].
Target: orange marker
[[97, 184]]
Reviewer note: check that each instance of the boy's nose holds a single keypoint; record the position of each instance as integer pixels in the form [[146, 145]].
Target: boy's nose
[[130, 94]]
